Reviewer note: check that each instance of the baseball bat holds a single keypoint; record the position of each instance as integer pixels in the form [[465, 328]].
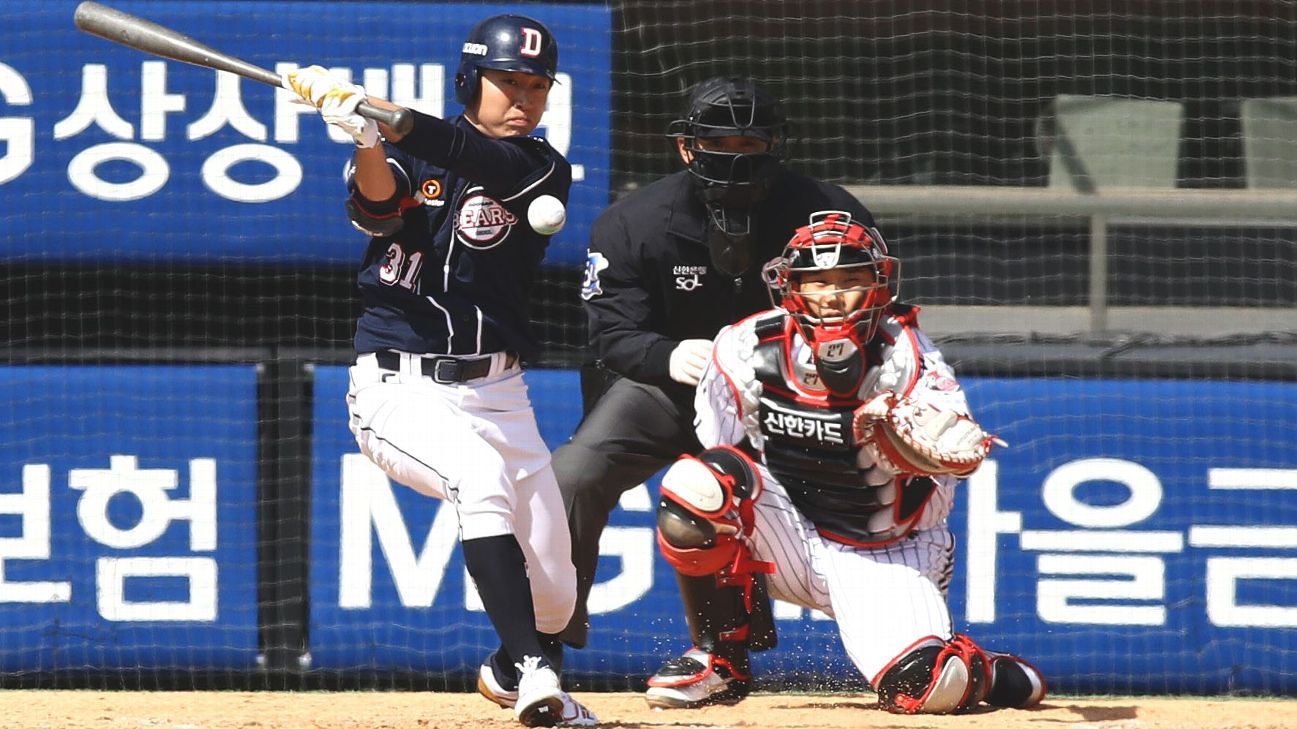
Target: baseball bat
[[143, 35]]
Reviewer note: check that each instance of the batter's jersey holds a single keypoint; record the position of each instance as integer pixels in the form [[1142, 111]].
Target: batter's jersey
[[761, 392], [457, 277]]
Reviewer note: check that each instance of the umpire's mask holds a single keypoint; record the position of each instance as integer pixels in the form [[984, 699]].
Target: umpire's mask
[[731, 183]]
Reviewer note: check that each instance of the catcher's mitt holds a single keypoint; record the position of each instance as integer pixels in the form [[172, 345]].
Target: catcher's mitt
[[920, 437]]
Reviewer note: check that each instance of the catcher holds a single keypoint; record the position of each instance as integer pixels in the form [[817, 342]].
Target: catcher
[[834, 436]]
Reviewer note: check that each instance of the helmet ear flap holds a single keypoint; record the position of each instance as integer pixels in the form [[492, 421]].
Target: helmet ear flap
[[466, 85]]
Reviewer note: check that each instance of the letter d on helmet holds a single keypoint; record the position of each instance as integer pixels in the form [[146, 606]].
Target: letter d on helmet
[[505, 43]]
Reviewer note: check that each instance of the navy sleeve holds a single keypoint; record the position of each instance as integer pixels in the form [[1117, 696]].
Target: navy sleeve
[[501, 166]]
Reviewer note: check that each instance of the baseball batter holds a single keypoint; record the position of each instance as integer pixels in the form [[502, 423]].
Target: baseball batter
[[834, 437], [437, 396]]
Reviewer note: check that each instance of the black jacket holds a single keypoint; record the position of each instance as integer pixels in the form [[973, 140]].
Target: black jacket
[[650, 282]]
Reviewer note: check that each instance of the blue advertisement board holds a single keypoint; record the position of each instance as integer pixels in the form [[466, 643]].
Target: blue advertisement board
[[1134, 536], [127, 518], [110, 155]]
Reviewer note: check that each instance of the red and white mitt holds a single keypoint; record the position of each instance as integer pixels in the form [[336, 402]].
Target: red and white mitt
[[921, 438]]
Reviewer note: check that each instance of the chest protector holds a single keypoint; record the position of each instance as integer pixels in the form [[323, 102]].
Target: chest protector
[[809, 450]]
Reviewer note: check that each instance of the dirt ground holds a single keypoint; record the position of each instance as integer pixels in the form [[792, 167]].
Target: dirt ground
[[28, 709]]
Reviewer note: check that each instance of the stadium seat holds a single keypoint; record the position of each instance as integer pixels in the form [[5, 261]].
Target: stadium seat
[[1095, 142], [1269, 142]]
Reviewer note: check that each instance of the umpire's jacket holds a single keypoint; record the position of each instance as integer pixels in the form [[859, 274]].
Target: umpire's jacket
[[650, 281]]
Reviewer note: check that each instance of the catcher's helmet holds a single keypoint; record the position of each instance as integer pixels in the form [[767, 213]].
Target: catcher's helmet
[[833, 241], [728, 106], [505, 43]]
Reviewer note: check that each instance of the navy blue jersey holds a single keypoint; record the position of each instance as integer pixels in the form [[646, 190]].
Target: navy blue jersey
[[456, 278]]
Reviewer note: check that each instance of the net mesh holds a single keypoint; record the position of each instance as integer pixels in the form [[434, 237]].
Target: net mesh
[[1098, 99]]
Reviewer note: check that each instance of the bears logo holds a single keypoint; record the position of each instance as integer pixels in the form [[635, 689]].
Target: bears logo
[[482, 222]]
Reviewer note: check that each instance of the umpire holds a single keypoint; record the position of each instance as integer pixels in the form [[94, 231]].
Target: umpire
[[668, 266]]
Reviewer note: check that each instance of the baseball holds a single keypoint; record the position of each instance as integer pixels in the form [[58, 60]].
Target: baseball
[[546, 215]]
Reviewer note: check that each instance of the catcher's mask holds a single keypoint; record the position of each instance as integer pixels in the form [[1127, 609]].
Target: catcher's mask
[[835, 279], [505, 43], [730, 183]]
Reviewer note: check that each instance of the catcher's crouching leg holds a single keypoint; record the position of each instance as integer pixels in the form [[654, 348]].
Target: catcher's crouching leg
[[704, 519]]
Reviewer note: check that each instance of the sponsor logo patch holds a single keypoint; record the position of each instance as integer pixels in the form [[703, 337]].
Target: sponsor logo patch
[[430, 193], [594, 263]]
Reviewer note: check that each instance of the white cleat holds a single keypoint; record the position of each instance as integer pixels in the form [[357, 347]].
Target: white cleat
[[489, 686], [694, 680], [540, 698], [574, 714]]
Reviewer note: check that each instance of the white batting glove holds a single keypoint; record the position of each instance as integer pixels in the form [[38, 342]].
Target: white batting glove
[[688, 360], [337, 101]]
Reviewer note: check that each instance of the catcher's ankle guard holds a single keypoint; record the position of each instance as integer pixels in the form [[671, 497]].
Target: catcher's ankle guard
[[698, 678], [935, 677]]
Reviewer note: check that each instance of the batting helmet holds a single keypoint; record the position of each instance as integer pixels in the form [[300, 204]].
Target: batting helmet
[[833, 240], [505, 43], [837, 333]]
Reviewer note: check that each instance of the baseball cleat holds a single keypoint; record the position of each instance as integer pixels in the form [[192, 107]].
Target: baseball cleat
[[490, 686], [540, 699], [574, 714], [696, 679], [1015, 684]]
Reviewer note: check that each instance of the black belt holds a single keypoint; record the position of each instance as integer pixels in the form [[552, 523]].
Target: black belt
[[443, 370]]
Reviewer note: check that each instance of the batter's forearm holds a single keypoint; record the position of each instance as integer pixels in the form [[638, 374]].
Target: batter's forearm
[[374, 179]]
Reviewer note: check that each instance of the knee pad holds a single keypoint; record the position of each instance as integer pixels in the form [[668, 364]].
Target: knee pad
[[935, 677], [705, 510]]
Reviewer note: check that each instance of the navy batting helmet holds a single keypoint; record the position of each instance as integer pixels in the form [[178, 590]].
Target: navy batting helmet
[[505, 43]]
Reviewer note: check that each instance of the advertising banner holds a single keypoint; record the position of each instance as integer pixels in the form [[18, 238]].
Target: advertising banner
[[110, 155], [128, 518], [1133, 536]]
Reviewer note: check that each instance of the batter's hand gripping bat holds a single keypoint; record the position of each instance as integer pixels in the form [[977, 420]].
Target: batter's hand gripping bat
[[147, 36]]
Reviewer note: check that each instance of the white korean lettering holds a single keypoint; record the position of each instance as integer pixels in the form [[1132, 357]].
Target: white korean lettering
[[288, 173], [150, 486], [1140, 578], [426, 93], [154, 172], [1059, 494], [94, 108], [1223, 576], [112, 573], [155, 102], [985, 523], [288, 113], [227, 108], [32, 504], [17, 134], [557, 120]]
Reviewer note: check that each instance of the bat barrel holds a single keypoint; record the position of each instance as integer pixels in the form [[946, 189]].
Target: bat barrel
[[136, 32], [130, 30]]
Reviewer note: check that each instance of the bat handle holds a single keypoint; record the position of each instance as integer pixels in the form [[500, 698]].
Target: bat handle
[[402, 120]]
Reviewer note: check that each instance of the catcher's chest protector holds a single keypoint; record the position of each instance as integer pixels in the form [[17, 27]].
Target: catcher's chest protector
[[808, 449]]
